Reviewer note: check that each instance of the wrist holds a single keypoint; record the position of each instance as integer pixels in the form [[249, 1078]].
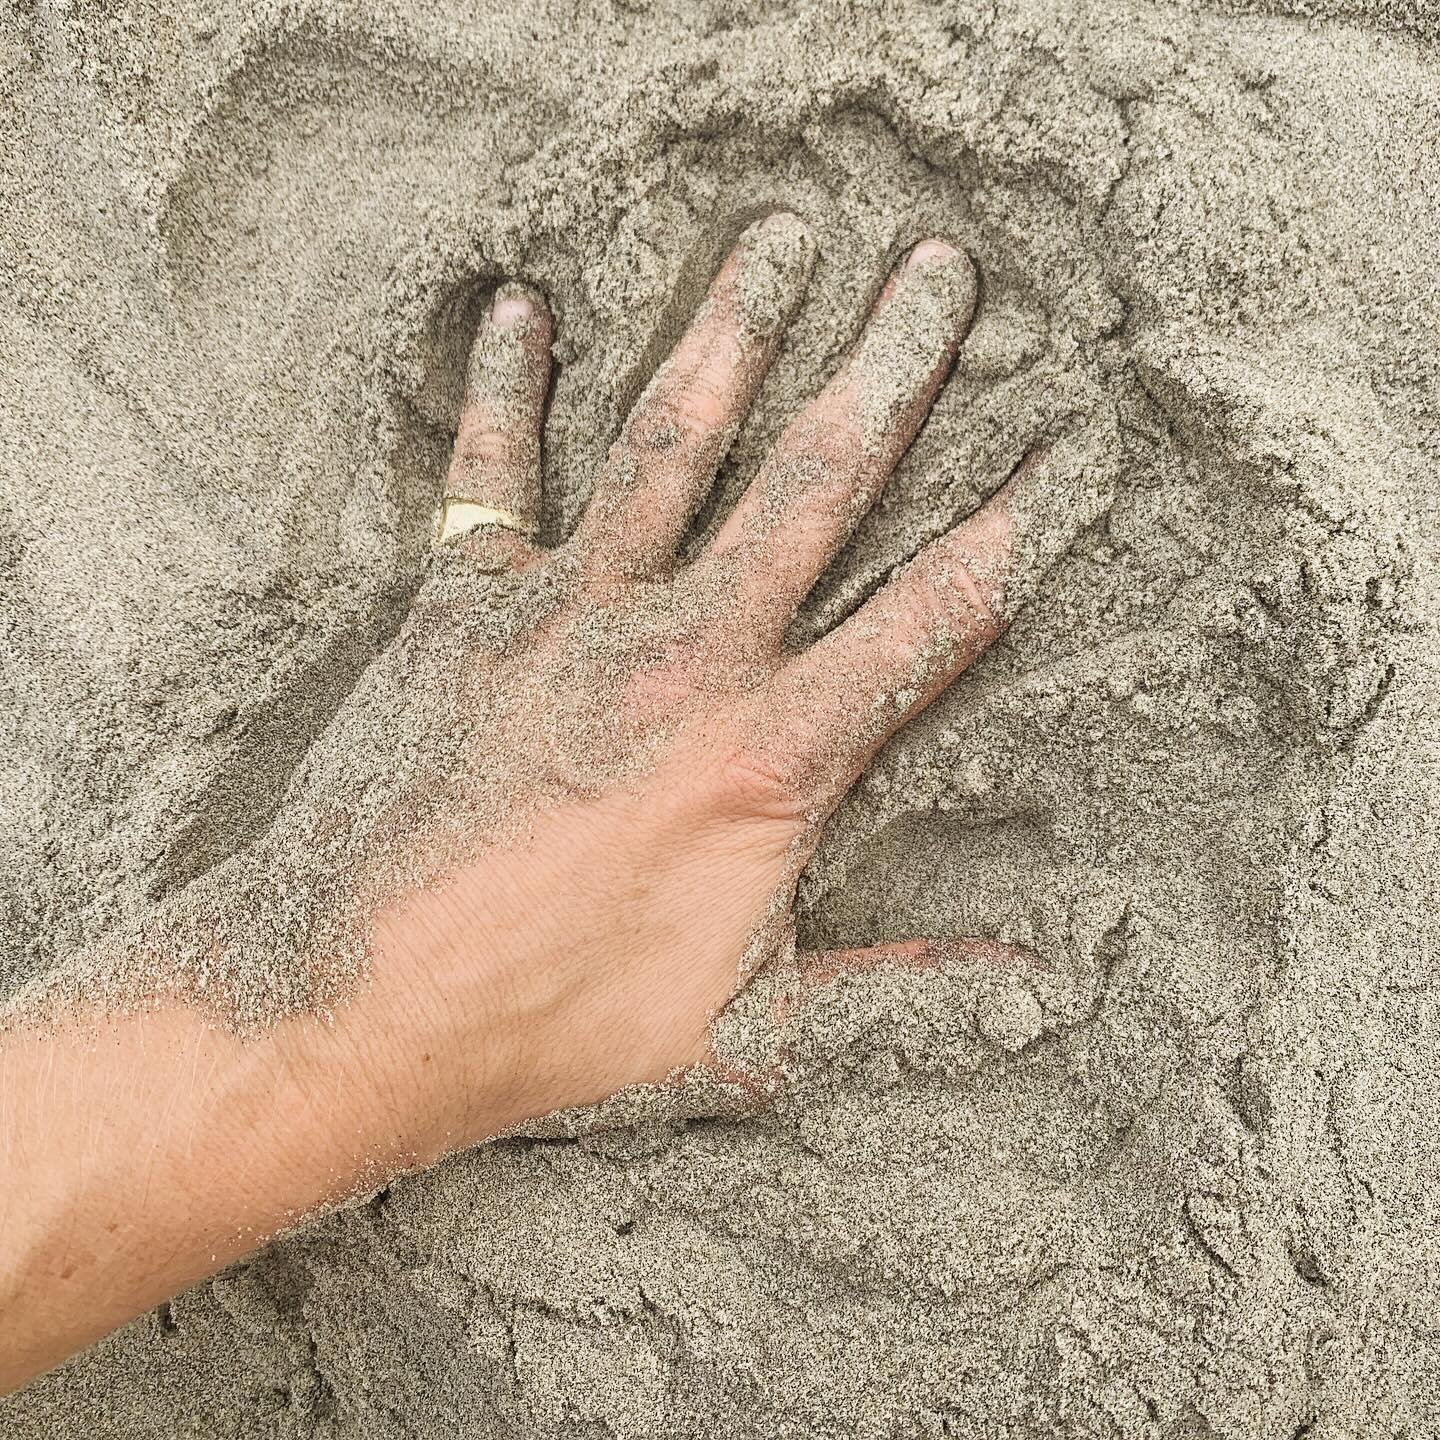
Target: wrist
[[422, 1052]]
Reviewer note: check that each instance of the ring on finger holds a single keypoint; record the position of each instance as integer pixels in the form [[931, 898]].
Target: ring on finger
[[459, 515]]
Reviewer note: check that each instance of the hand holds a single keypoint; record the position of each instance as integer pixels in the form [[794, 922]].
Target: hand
[[554, 828], [614, 770]]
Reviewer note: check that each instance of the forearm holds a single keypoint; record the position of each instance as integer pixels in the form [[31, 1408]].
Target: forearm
[[143, 1152]]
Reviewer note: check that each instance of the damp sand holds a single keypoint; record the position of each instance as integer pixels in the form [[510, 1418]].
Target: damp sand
[[1180, 1181]]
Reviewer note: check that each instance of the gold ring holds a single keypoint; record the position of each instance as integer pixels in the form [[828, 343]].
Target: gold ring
[[459, 516]]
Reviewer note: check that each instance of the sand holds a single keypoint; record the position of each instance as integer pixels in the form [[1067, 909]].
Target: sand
[[1183, 1180]]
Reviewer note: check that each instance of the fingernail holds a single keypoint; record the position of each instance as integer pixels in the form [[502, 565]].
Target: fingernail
[[907, 350], [778, 228], [930, 252], [512, 307]]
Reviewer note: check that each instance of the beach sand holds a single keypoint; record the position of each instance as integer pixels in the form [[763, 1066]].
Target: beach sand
[[1182, 1183]]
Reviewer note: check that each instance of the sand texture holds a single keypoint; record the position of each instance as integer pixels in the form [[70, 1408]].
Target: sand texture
[[1183, 1183]]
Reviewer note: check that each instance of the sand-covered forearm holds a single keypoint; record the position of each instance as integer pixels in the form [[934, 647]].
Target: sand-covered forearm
[[145, 1151]]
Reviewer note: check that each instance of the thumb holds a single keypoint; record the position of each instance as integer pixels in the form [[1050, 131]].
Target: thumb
[[774, 1007], [742, 1072], [820, 967]]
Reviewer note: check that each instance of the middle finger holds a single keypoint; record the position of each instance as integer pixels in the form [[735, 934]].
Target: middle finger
[[665, 460]]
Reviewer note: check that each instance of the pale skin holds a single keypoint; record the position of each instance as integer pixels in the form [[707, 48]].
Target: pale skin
[[144, 1151]]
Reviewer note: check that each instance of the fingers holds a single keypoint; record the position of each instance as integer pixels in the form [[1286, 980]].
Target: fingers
[[850, 692], [831, 462], [494, 470], [903, 646], [666, 457]]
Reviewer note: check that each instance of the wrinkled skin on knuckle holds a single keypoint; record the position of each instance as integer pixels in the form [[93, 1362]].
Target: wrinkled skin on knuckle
[[969, 599], [951, 606], [677, 415], [914, 623], [480, 445], [754, 782]]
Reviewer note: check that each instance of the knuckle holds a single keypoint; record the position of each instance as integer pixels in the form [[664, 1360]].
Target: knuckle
[[486, 447], [674, 417], [969, 598], [918, 618], [757, 785], [945, 600]]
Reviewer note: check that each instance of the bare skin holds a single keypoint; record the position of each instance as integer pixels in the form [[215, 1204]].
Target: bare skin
[[591, 950]]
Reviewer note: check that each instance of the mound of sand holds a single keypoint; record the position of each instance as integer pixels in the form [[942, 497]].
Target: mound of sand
[[1190, 1193]]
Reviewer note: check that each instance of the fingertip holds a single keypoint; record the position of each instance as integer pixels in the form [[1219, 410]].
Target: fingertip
[[512, 306], [776, 234], [767, 273], [1057, 492], [516, 305], [938, 267], [782, 220], [934, 266], [787, 228], [931, 252]]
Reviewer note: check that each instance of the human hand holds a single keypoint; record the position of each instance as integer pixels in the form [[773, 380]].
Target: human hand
[[614, 771], [554, 828]]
